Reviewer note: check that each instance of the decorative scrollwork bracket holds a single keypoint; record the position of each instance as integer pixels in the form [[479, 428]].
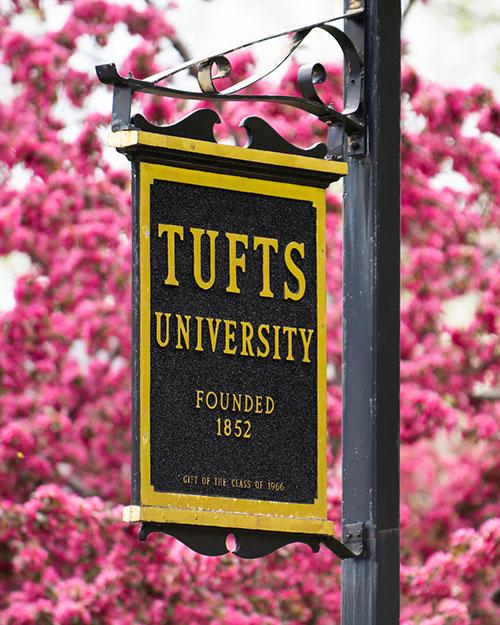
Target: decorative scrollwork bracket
[[346, 124]]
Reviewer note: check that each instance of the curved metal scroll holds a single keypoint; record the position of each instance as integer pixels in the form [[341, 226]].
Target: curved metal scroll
[[308, 77]]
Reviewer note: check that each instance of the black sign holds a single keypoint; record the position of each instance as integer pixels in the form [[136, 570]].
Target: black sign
[[233, 340], [230, 344]]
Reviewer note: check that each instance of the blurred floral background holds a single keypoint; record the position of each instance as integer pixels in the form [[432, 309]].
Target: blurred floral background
[[65, 556]]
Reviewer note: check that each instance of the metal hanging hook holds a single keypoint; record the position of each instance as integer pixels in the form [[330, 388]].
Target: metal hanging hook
[[350, 120]]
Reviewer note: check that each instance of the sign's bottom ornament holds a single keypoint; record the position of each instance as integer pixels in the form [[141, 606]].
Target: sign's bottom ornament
[[249, 544]]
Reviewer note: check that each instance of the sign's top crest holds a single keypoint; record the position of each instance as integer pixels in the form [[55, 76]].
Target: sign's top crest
[[266, 155]]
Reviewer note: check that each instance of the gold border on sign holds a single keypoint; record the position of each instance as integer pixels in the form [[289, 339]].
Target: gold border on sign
[[122, 139], [227, 511]]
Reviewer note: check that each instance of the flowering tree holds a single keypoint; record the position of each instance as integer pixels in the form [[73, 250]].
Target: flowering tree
[[65, 557]]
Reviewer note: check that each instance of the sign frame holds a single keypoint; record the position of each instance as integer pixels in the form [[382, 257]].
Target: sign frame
[[273, 174]]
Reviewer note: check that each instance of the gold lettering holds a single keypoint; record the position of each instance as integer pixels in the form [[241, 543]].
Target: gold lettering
[[235, 261], [296, 272], [213, 332], [230, 337], [240, 337], [290, 332], [236, 402], [258, 404], [162, 342], [263, 353], [214, 404], [183, 331], [199, 397], [246, 338], [269, 405], [222, 407], [276, 355], [248, 404], [171, 231], [306, 341], [266, 245], [212, 235], [199, 334]]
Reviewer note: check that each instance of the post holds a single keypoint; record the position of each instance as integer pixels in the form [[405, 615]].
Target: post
[[370, 433]]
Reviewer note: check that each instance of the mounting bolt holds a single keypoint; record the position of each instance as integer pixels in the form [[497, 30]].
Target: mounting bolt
[[355, 4], [355, 144], [354, 537]]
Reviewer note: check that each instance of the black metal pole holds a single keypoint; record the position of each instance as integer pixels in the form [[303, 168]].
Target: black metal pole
[[370, 438]]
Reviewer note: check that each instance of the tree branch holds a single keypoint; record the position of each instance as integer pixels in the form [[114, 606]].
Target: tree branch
[[409, 6], [492, 394], [181, 49]]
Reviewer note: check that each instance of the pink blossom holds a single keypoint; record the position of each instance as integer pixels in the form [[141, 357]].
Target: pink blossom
[[65, 351]]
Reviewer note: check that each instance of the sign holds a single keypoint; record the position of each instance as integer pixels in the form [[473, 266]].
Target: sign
[[229, 335]]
